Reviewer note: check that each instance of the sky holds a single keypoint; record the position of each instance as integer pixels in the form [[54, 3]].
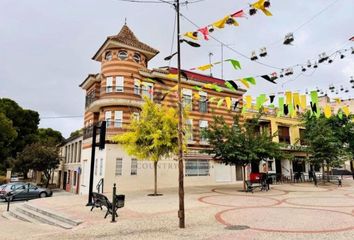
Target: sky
[[46, 46]]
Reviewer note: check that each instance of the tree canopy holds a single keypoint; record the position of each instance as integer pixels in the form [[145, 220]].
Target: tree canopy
[[153, 136]]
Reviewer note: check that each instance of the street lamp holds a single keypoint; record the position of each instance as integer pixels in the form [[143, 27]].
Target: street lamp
[[193, 44]]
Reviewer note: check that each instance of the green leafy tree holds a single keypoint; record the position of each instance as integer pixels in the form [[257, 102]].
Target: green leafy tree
[[76, 133], [240, 144], [7, 136], [49, 136], [40, 158], [154, 136], [24, 121], [326, 141]]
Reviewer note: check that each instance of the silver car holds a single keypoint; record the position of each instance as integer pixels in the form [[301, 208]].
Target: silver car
[[23, 191]]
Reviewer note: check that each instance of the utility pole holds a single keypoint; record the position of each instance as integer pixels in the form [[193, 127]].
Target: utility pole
[[181, 215]]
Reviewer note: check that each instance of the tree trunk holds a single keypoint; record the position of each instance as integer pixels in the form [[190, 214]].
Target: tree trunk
[[155, 178], [327, 172], [25, 175], [244, 177], [323, 172], [47, 176]]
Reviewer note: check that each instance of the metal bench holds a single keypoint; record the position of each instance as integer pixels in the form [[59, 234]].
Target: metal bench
[[100, 200]]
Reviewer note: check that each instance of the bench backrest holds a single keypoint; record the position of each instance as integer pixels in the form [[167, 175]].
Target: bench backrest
[[97, 197]]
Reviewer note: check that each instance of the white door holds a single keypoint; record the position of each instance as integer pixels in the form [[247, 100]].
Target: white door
[[222, 172]]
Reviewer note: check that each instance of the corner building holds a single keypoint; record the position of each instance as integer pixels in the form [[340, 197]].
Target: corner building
[[115, 95]]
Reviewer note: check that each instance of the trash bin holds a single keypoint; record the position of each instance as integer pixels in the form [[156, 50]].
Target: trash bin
[[120, 200]]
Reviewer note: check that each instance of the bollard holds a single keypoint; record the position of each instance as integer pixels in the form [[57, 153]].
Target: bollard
[[8, 203], [114, 204]]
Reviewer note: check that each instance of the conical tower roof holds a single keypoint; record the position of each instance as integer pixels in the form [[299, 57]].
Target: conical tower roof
[[127, 37]]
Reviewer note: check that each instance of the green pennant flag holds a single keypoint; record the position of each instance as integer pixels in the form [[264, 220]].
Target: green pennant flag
[[251, 80], [340, 114], [281, 106], [314, 97], [216, 88], [197, 88], [261, 99], [220, 102], [243, 109], [236, 64], [229, 86]]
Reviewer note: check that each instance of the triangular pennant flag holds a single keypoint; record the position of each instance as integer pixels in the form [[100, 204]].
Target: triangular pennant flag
[[197, 88], [229, 86], [220, 102], [233, 84], [244, 110], [296, 98], [292, 110], [346, 110], [217, 88], [205, 32], [191, 35], [281, 106], [303, 102], [251, 80], [314, 97], [236, 64], [260, 5], [327, 111], [235, 104], [205, 67], [286, 109], [261, 99], [228, 102], [288, 98], [271, 97], [248, 102], [340, 114], [221, 23], [351, 39], [170, 75], [247, 85], [208, 85], [196, 96], [238, 14], [211, 100], [266, 77], [338, 100]]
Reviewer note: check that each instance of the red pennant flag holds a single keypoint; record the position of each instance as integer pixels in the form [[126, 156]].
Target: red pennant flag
[[351, 39], [238, 14], [205, 32]]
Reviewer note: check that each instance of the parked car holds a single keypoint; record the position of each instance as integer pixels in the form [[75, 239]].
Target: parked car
[[23, 191], [16, 178]]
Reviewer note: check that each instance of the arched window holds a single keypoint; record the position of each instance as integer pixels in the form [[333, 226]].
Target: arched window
[[137, 57], [108, 56], [122, 55]]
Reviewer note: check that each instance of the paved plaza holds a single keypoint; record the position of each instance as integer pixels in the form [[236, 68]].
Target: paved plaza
[[287, 211]]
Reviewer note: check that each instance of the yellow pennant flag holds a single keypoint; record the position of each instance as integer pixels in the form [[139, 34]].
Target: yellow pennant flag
[[338, 100], [346, 110], [196, 96], [170, 75], [221, 23], [327, 111], [303, 103], [228, 102], [288, 98], [296, 98], [190, 35], [208, 85], [260, 5], [174, 88], [248, 101], [205, 67], [247, 85]]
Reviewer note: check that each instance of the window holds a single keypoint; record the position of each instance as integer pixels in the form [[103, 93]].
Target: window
[[119, 165], [69, 177], [147, 89], [137, 57], [96, 162], [108, 118], [108, 56], [136, 116], [283, 134], [302, 136], [270, 165], [109, 83], [101, 166], [187, 97], [137, 86], [202, 126], [134, 167], [118, 119], [189, 130], [80, 146], [203, 103], [119, 84], [122, 55], [197, 168]]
